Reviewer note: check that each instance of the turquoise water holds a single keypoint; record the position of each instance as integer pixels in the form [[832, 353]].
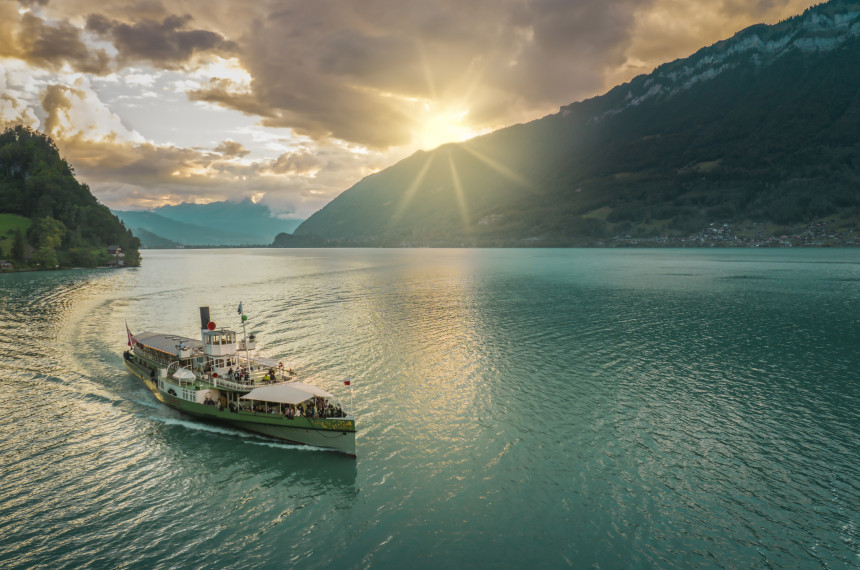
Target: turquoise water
[[516, 408]]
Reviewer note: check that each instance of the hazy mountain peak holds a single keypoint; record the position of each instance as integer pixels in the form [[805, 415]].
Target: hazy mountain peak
[[215, 223]]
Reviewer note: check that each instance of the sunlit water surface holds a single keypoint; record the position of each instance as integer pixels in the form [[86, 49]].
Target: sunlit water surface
[[516, 409]]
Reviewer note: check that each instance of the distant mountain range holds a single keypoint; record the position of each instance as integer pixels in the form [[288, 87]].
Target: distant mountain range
[[213, 224], [761, 129]]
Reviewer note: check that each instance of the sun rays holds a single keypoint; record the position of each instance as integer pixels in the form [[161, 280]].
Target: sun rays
[[458, 190], [452, 180], [443, 117], [407, 196]]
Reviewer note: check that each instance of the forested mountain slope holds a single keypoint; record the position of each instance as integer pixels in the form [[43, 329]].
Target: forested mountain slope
[[763, 128], [69, 226]]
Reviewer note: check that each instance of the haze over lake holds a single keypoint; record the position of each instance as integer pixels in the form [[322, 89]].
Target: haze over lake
[[515, 408]]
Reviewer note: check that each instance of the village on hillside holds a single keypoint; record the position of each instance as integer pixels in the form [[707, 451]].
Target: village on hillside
[[820, 233]]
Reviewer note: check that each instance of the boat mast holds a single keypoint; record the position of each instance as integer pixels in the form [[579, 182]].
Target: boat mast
[[245, 337]]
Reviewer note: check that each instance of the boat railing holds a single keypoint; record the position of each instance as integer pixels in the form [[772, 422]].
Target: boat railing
[[255, 378], [221, 382]]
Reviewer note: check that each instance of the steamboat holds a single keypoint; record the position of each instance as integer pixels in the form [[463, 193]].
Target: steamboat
[[218, 378]]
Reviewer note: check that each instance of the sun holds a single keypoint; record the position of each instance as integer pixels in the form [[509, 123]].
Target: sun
[[437, 126]]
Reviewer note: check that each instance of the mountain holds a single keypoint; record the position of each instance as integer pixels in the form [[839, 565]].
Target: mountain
[[216, 223], [760, 129], [66, 225], [154, 241]]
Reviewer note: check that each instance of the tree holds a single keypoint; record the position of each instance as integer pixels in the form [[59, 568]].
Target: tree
[[18, 251], [45, 257], [46, 232]]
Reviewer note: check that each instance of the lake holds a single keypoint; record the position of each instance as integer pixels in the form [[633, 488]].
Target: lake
[[585, 408]]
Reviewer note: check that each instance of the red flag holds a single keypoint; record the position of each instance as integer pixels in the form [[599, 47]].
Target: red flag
[[346, 382], [131, 340]]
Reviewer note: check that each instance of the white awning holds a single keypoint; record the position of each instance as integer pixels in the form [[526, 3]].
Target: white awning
[[278, 393], [183, 374], [313, 390]]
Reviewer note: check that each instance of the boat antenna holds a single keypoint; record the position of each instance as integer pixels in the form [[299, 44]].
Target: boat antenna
[[245, 336]]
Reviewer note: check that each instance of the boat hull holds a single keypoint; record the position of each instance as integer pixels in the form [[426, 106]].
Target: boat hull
[[331, 433]]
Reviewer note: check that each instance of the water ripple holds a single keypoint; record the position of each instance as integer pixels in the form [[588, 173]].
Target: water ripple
[[536, 407]]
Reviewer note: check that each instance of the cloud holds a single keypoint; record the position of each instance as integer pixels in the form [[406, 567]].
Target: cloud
[[48, 45], [134, 175], [164, 43], [13, 110], [363, 73], [301, 162], [232, 149], [75, 111], [228, 93]]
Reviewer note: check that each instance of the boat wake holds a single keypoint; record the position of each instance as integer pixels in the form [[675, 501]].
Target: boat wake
[[281, 445], [251, 438], [146, 403], [202, 427]]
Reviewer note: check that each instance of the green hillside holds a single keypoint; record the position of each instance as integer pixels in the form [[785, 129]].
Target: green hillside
[[10, 224], [759, 131], [66, 225]]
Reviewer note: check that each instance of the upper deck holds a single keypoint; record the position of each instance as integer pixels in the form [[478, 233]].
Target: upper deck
[[169, 345]]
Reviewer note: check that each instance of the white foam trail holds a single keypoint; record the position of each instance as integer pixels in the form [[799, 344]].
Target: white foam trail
[[292, 446], [201, 427], [251, 438]]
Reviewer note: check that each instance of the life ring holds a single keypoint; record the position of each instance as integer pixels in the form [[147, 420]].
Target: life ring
[[171, 392]]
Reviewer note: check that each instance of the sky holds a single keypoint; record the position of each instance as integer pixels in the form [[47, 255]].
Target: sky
[[291, 102]]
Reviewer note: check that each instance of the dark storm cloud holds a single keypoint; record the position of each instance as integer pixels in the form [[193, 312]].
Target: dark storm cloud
[[164, 43]]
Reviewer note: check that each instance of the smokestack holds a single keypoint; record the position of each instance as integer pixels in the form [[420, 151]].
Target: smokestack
[[204, 317]]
